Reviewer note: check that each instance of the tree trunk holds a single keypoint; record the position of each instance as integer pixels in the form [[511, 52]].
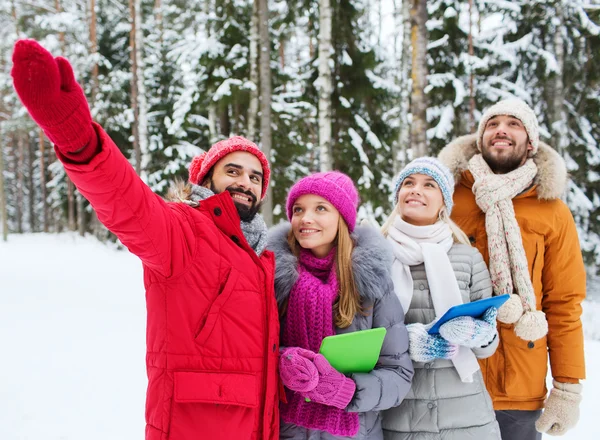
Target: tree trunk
[[141, 89], [94, 52], [15, 18], [134, 87], [379, 21], [212, 105], [20, 181], [418, 134], [224, 120], [559, 115], [253, 107], [159, 18], [325, 85], [70, 204], [81, 214], [401, 149], [282, 52], [471, 75], [45, 208], [212, 118], [61, 35], [30, 155], [3, 212], [265, 99]]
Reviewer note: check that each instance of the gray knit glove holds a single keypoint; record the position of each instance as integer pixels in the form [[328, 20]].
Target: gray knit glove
[[561, 411], [424, 347], [471, 332]]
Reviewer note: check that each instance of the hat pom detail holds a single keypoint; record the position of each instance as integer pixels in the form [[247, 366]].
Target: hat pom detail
[[532, 326], [194, 168], [511, 311]]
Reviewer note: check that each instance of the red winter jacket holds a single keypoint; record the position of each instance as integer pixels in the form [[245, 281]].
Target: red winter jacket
[[212, 329]]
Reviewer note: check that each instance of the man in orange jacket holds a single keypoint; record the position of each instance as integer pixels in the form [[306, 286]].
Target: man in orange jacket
[[507, 200]]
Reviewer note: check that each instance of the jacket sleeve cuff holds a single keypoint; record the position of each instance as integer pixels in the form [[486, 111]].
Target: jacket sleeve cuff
[[562, 379]]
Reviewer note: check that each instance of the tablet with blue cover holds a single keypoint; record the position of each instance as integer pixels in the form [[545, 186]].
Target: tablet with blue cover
[[355, 352], [475, 309]]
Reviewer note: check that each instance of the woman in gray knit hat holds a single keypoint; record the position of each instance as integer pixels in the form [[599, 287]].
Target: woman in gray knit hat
[[435, 268]]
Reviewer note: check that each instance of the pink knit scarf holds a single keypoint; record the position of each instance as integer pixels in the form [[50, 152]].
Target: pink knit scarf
[[309, 319]]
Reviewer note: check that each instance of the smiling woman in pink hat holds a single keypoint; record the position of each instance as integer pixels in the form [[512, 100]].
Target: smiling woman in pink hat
[[333, 277]]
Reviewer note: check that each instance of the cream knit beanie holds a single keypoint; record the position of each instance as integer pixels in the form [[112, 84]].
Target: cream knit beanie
[[520, 110]]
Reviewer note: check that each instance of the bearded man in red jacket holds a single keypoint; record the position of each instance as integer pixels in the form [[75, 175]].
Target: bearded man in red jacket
[[212, 327]]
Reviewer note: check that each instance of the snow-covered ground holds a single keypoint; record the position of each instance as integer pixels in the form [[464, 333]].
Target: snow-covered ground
[[72, 319]]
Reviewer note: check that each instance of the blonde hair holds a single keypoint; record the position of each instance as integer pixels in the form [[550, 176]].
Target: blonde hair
[[180, 191], [348, 302], [457, 233]]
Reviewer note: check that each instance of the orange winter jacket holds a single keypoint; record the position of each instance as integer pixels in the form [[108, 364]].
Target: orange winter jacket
[[515, 375]]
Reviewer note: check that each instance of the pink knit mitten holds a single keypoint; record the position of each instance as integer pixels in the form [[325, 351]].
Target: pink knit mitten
[[333, 389], [297, 371], [47, 87]]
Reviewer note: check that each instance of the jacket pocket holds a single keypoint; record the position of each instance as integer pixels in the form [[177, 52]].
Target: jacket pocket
[[526, 365], [214, 405], [211, 317]]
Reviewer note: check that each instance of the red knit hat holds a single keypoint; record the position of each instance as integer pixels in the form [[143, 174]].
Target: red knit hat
[[202, 164]]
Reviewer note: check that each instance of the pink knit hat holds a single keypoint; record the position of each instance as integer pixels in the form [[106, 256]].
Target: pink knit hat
[[202, 164], [335, 187]]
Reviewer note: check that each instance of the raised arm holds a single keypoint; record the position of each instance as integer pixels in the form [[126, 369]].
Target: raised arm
[[124, 204]]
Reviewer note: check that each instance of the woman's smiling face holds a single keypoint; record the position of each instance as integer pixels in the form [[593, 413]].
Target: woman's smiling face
[[315, 224], [420, 200]]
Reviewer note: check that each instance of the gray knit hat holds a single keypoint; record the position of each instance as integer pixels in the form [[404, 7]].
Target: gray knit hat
[[520, 110], [433, 168]]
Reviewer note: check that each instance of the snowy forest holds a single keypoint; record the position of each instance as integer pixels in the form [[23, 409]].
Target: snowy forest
[[361, 86]]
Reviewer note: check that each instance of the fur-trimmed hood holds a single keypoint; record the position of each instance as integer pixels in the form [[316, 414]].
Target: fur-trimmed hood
[[371, 262], [551, 178]]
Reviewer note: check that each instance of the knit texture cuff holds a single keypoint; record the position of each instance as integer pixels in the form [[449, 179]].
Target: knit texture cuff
[[345, 394], [83, 155], [73, 132]]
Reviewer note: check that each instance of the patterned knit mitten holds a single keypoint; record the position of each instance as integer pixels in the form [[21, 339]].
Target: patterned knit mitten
[[297, 371], [48, 89], [470, 332], [424, 347], [333, 389]]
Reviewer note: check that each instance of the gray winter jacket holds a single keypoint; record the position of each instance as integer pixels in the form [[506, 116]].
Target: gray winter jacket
[[389, 382], [439, 405]]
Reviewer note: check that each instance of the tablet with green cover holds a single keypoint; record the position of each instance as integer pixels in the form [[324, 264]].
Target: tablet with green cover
[[355, 352]]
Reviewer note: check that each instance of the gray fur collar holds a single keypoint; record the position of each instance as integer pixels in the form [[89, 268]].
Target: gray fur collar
[[551, 178], [371, 262]]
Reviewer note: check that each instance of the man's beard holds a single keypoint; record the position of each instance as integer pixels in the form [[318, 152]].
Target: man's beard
[[503, 164], [245, 212]]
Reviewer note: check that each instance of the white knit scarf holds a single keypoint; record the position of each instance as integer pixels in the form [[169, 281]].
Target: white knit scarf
[[413, 245], [508, 262]]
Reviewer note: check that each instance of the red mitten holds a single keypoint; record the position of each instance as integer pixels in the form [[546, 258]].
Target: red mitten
[[49, 91]]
